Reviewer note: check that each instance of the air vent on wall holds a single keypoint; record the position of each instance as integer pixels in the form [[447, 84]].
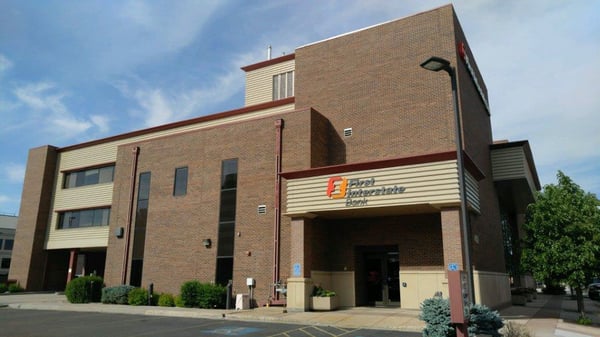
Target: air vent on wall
[[262, 209], [347, 132]]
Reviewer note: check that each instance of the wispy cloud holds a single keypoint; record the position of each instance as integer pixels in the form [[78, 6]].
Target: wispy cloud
[[160, 105], [46, 100], [14, 172], [5, 64]]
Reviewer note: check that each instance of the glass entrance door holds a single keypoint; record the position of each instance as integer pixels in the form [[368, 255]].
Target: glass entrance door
[[383, 278]]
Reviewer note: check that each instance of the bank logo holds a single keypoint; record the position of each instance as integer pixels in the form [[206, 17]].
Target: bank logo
[[340, 183]]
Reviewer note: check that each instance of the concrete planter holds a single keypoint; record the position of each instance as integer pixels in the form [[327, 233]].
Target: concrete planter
[[324, 303]]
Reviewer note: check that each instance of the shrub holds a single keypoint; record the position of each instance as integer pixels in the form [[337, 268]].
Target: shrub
[[212, 296], [138, 296], [116, 295], [203, 295], [15, 288], [318, 291], [512, 329], [190, 291], [166, 300], [584, 320], [436, 314], [482, 320], [3, 288], [178, 301], [84, 289]]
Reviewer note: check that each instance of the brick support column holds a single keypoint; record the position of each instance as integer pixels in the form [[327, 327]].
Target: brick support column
[[299, 286], [28, 263], [452, 238]]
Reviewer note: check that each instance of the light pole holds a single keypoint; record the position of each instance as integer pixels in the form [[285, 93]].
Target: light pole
[[436, 64]]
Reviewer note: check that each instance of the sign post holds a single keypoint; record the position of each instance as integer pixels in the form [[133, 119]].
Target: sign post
[[458, 285]]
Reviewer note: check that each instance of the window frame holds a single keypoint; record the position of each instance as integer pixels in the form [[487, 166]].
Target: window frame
[[77, 216], [180, 182], [87, 176]]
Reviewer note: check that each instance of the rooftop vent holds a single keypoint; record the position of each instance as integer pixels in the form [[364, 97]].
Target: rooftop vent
[[348, 132]]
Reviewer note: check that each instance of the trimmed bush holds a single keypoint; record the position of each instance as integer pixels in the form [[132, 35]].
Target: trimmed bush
[[190, 291], [3, 288], [436, 314], [84, 289], [203, 295], [138, 296], [116, 295], [166, 300], [15, 288], [178, 301], [482, 320]]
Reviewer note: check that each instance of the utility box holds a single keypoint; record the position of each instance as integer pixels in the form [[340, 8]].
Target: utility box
[[242, 302]]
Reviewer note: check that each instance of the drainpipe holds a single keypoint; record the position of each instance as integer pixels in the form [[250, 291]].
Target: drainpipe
[[277, 227], [132, 178]]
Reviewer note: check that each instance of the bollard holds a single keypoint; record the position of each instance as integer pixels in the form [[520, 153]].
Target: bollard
[[228, 299], [150, 291]]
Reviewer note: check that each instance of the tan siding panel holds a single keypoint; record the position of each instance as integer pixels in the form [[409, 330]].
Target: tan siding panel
[[508, 163], [259, 83], [431, 183], [472, 192], [78, 238]]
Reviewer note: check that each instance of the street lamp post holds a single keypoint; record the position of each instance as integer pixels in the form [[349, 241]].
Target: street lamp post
[[436, 64]]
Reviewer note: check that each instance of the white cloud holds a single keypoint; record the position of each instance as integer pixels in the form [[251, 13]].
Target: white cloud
[[102, 122], [5, 63], [160, 105], [15, 172], [47, 102], [37, 96]]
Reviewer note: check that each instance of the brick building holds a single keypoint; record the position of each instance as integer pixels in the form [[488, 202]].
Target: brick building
[[340, 170]]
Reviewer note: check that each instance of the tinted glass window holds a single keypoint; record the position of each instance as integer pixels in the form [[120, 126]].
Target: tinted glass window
[[181, 178]]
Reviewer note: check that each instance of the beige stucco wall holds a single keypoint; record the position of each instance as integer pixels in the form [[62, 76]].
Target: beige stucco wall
[[491, 289], [342, 282], [421, 285]]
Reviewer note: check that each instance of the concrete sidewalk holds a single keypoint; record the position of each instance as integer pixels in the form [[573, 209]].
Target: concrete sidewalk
[[546, 316]]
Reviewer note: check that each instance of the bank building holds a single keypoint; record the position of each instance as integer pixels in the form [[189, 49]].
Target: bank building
[[344, 168]]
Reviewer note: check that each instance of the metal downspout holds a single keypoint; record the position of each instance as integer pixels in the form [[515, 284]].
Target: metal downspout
[[277, 227]]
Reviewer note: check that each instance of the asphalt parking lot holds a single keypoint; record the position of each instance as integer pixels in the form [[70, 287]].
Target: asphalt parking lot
[[21, 323]]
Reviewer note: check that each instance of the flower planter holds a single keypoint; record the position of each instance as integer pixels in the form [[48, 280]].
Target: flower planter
[[324, 303]]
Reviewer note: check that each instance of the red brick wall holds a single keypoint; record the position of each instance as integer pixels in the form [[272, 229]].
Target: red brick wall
[[371, 81], [28, 256], [177, 225]]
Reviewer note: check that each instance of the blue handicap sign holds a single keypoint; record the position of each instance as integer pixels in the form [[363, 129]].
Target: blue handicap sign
[[297, 270], [453, 266]]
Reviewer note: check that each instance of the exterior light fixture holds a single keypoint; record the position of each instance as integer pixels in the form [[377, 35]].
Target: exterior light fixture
[[436, 64], [207, 243]]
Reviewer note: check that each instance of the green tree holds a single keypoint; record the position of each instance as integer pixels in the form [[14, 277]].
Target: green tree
[[562, 240]]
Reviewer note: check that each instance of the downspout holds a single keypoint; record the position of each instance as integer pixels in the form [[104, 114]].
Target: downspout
[[132, 178], [277, 227]]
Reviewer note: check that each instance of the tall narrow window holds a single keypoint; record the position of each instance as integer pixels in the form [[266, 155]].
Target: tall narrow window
[[283, 85], [229, 170], [139, 231], [180, 184]]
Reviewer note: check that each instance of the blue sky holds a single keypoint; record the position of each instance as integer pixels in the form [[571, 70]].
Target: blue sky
[[72, 71]]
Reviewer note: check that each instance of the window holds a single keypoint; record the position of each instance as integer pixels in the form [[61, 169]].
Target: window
[[8, 244], [139, 236], [5, 263], [283, 85], [84, 218], [225, 244], [89, 177], [180, 184]]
